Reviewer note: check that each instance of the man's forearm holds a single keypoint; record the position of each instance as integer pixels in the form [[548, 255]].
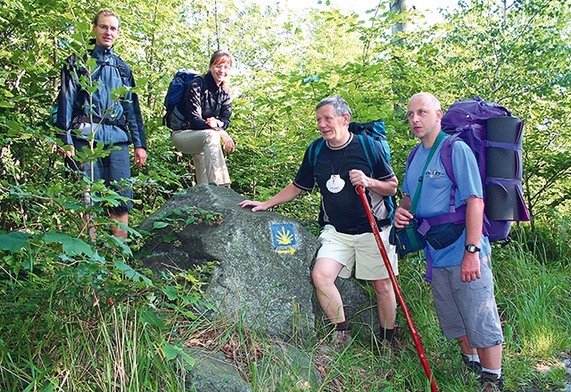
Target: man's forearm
[[384, 187], [287, 194], [474, 220]]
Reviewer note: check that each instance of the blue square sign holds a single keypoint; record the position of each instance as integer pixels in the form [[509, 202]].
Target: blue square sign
[[283, 237]]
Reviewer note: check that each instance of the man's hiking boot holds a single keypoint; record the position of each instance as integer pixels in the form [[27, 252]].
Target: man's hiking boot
[[491, 382], [341, 339], [387, 348], [472, 366]]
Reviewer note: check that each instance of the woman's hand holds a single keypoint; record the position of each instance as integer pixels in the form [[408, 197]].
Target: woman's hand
[[214, 123], [227, 140]]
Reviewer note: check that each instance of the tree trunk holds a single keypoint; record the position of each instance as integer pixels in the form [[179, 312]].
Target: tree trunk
[[400, 6]]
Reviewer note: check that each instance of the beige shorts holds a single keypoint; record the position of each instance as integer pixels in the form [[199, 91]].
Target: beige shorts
[[359, 250]]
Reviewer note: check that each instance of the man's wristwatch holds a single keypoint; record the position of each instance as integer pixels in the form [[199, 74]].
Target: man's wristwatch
[[471, 248]]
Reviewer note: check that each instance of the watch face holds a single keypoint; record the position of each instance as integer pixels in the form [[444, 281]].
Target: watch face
[[472, 248]]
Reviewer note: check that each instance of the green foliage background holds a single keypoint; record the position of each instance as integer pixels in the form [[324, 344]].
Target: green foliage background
[[517, 56], [517, 53]]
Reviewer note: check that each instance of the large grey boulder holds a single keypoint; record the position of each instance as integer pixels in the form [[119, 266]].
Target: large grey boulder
[[262, 278]]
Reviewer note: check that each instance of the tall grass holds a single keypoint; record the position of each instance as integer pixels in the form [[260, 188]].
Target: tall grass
[[115, 353], [533, 296], [58, 336], [61, 331], [534, 304]]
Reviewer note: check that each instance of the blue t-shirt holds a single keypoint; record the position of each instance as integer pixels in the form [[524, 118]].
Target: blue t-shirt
[[435, 195], [344, 209]]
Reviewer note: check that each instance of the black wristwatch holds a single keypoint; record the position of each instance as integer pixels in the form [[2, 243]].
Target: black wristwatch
[[471, 248]]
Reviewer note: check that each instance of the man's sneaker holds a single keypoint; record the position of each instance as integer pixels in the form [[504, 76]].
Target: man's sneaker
[[472, 366], [491, 382], [341, 340]]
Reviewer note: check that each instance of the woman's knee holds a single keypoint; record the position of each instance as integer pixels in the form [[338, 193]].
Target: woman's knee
[[212, 138], [185, 141]]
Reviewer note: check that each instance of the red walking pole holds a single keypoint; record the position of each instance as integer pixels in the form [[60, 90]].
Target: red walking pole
[[396, 287]]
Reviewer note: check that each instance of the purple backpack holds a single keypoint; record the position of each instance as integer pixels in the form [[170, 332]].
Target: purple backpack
[[495, 137], [475, 111]]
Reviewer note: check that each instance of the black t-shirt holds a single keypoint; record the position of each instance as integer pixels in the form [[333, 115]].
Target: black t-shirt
[[344, 209]]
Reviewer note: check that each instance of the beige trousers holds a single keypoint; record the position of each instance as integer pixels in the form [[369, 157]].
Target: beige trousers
[[206, 150]]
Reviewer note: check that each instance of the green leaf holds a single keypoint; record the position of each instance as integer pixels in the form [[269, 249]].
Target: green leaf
[[72, 246], [91, 62], [77, 246], [123, 267], [149, 317], [159, 225], [170, 292], [170, 351], [188, 359], [131, 273], [15, 241]]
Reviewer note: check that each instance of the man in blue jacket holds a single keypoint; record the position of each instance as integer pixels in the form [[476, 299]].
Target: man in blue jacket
[[97, 116]]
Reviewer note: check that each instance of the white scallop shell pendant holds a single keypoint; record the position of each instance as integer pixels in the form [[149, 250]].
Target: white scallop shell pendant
[[335, 184]]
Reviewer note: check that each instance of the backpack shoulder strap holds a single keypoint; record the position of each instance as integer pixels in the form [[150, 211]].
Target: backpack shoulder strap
[[76, 64], [369, 149], [446, 159], [366, 142], [454, 215], [122, 67], [198, 79], [313, 151], [411, 155]]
